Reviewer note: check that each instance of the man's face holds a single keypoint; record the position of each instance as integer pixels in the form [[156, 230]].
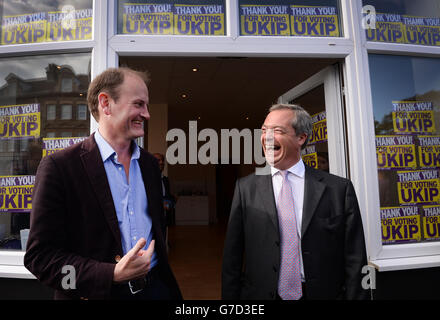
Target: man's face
[[125, 116], [281, 145]]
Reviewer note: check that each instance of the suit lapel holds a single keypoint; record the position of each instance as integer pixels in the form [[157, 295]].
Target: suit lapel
[[93, 165], [265, 190], [153, 193], [313, 190]]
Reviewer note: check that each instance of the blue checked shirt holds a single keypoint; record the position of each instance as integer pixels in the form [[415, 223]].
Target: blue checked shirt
[[130, 199]]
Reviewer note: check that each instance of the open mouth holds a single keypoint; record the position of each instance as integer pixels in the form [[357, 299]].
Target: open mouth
[[272, 147]]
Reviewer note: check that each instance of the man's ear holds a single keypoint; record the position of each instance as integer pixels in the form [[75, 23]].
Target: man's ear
[[104, 102], [302, 138]]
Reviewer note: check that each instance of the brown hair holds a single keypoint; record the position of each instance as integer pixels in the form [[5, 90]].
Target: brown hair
[[109, 81]]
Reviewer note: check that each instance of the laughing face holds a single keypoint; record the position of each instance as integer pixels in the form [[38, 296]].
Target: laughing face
[[281, 145], [126, 116]]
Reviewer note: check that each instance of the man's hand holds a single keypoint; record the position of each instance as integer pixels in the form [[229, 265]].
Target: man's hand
[[135, 264]]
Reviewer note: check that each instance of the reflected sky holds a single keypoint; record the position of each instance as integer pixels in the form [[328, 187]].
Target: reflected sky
[[400, 77], [35, 67], [17, 7]]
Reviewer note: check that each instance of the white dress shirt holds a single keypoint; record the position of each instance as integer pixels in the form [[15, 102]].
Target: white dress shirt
[[296, 180]]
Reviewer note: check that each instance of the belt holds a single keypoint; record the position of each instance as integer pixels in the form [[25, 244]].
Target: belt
[[137, 285]]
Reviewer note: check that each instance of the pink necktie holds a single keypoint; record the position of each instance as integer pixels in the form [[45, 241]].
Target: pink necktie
[[289, 285]]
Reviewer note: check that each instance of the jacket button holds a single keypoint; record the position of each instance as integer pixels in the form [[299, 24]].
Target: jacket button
[[274, 269], [117, 258]]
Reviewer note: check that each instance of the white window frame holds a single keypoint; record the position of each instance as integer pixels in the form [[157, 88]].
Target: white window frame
[[329, 78], [363, 162]]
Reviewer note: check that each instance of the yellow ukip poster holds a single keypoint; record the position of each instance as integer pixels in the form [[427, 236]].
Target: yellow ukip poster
[[422, 31], [20, 121], [264, 20], [147, 18], [52, 145], [400, 224], [70, 25], [429, 151], [395, 152], [199, 20], [24, 28], [413, 117], [16, 193], [431, 222], [319, 130], [388, 28], [311, 21], [310, 156], [418, 187]]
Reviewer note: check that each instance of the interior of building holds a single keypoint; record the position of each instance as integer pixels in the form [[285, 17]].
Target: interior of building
[[212, 93]]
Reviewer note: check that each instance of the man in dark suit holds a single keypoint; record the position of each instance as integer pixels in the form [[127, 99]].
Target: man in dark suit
[[169, 201], [97, 206], [295, 233]]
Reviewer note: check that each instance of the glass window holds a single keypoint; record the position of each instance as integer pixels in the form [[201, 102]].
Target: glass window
[[45, 21], [406, 105], [403, 21], [298, 18], [51, 112], [66, 85], [29, 87], [66, 112], [82, 112], [167, 17]]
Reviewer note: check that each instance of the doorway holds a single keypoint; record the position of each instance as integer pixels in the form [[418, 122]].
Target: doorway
[[193, 94]]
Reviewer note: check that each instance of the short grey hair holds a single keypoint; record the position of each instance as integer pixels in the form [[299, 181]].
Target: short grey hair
[[302, 122]]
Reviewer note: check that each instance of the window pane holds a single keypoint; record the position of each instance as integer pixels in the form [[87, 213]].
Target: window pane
[[46, 21], [66, 85], [404, 21], [406, 105], [298, 18], [51, 112], [66, 112], [172, 17], [31, 87], [82, 112]]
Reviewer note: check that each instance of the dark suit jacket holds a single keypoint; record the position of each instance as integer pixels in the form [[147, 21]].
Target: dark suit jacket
[[332, 240], [74, 222]]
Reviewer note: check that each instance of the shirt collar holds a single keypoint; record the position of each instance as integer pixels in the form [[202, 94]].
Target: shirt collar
[[107, 151], [298, 169]]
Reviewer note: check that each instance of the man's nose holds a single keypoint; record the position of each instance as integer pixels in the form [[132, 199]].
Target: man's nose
[[145, 114]]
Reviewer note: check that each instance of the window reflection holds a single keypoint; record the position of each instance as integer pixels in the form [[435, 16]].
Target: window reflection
[[45, 21], [299, 18], [36, 103], [406, 105], [404, 21], [172, 17]]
